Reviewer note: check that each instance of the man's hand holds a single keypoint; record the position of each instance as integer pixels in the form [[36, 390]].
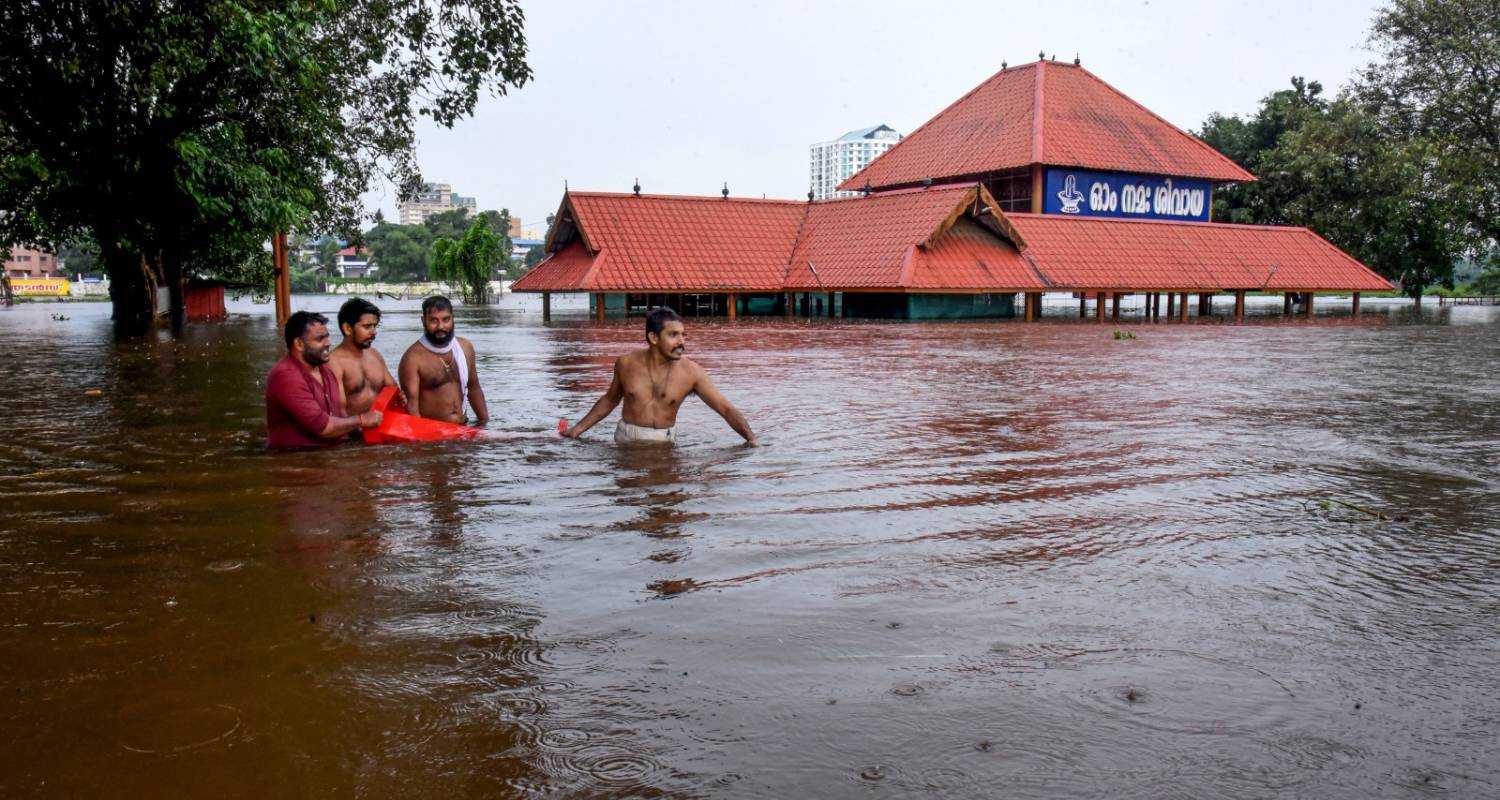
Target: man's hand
[[370, 419]]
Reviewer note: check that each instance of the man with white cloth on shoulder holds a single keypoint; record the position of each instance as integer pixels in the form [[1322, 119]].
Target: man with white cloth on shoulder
[[438, 372]]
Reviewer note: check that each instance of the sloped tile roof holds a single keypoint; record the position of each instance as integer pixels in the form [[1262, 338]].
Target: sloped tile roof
[[568, 266], [1044, 113], [969, 257], [877, 242], [1101, 253]]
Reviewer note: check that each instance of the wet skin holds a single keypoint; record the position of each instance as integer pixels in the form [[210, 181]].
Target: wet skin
[[653, 382], [359, 366], [430, 380]]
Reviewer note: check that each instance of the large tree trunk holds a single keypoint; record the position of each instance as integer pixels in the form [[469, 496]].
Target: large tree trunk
[[132, 290]]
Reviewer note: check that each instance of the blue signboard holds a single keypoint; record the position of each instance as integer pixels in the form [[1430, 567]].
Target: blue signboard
[[1083, 193]]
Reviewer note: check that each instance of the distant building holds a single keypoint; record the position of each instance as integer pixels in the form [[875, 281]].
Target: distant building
[[354, 262], [834, 162], [435, 198], [519, 247], [27, 263]]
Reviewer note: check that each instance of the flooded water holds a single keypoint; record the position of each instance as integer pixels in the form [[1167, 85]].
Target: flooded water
[[971, 560]]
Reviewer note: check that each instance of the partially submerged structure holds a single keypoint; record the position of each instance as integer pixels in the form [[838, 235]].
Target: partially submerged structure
[[1041, 179]]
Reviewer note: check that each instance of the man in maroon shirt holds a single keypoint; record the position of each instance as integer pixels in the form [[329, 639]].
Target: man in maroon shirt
[[304, 400]]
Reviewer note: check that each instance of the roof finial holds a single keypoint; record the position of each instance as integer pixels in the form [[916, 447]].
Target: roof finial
[[809, 195], [1003, 65], [1041, 55], [926, 182], [726, 190], [637, 187], [565, 185], [1076, 60], [1054, 58], [867, 189]]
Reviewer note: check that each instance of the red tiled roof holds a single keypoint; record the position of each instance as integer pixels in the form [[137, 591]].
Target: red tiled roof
[[880, 242], [939, 239], [566, 267], [354, 251], [1044, 113], [675, 243], [1103, 253]]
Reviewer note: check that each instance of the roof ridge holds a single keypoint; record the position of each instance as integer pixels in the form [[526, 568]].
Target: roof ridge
[[1037, 116], [786, 274], [691, 197], [908, 137], [1159, 118]]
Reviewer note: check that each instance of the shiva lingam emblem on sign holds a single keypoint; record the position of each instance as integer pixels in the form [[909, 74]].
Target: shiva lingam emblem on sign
[[1070, 196]]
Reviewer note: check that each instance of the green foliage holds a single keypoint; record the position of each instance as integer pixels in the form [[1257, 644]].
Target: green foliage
[[1333, 167], [534, 256], [178, 137], [1487, 283], [1437, 79], [80, 256], [400, 252], [469, 264]]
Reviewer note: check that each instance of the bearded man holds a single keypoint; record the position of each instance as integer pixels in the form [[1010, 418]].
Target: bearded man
[[438, 372], [304, 400]]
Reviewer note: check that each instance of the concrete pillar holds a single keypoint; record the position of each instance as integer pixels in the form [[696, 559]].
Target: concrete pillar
[[830, 305], [1286, 304], [1171, 304], [1099, 306], [1182, 308], [1155, 306], [1114, 306], [599, 306], [1239, 305], [1307, 304], [1030, 311], [546, 306], [791, 299], [1205, 304], [733, 306], [1083, 302], [1355, 298]]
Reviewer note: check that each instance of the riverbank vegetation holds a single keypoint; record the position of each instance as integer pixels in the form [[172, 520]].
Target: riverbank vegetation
[[179, 137], [1400, 168]]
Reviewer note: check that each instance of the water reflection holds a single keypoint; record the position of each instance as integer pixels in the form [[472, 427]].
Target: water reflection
[[1031, 557]]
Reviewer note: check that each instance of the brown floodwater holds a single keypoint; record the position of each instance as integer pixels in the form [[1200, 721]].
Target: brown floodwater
[[971, 560]]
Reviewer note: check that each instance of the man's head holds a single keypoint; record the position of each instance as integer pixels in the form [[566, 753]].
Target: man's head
[[664, 333], [307, 337], [437, 320], [358, 319]]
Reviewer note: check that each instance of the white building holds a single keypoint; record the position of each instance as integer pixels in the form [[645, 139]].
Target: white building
[[833, 162], [354, 263], [435, 198]]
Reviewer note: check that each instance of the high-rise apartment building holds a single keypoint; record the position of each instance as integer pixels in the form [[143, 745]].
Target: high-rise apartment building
[[24, 262], [435, 198], [833, 162]]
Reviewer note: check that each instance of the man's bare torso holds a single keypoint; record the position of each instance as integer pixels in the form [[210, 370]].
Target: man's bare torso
[[363, 373], [441, 396], [654, 393]]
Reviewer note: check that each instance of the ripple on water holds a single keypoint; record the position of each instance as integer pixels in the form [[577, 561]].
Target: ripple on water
[[613, 767], [156, 731], [1175, 691]]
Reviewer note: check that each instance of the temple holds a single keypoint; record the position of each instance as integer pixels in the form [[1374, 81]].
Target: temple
[[1041, 179]]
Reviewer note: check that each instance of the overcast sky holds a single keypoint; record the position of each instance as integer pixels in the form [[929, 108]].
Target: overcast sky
[[688, 95]]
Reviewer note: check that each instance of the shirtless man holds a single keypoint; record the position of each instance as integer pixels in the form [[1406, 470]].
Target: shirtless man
[[653, 382], [438, 372], [359, 366]]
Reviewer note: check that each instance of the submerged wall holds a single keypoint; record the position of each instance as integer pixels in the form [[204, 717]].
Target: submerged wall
[[876, 305]]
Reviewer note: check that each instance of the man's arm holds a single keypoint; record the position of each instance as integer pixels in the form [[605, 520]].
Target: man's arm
[[293, 396], [715, 400], [476, 394], [411, 382], [390, 380], [602, 407]]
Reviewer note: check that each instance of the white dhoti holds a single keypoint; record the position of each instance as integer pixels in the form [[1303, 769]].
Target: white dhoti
[[627, 433]]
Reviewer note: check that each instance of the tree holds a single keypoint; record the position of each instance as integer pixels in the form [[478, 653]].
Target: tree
[[1438, 79], [534, 256], [399, 251], [179, 137], [469, 264], [1334, 167]]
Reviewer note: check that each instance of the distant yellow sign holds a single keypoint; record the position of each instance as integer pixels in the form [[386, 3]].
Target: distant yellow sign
[[42, 287]]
